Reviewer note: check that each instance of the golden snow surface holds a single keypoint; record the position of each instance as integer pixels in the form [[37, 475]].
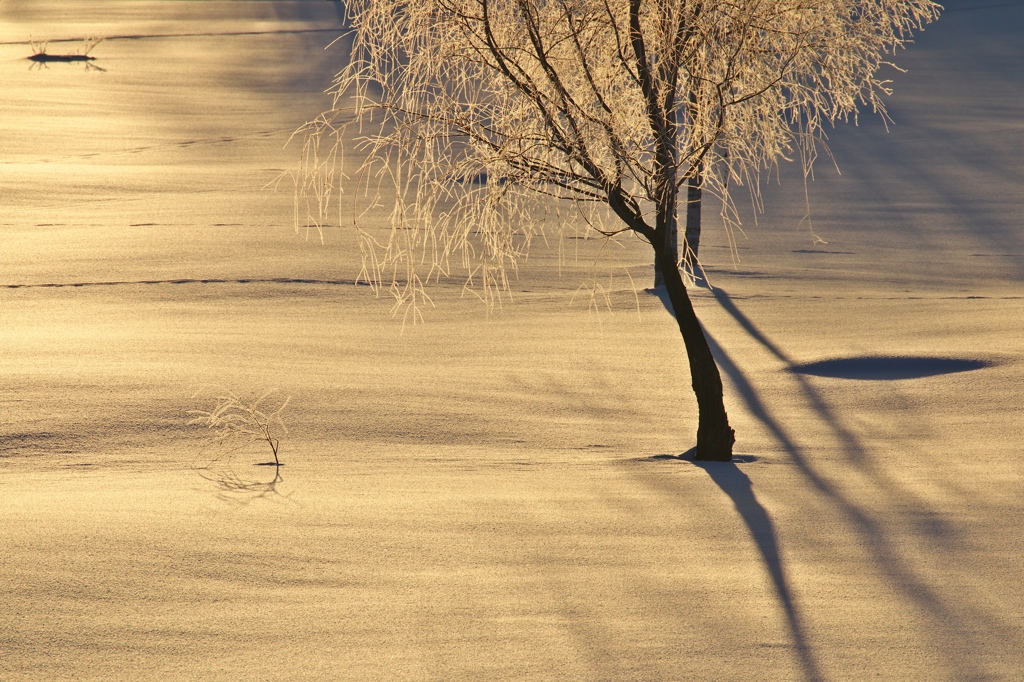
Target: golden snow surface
[[503, 494]]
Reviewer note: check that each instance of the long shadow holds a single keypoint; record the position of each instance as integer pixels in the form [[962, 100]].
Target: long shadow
[[886, 556], [853, 449], [882, 550], [724, 300], [851, 445], [737, 485]]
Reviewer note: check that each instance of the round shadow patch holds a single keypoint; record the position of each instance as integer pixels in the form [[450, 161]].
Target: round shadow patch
[[887, 368]]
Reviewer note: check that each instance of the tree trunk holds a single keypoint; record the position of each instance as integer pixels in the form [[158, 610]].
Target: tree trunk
[[693, 205], [672, 244], [691, 242], [715, 437]]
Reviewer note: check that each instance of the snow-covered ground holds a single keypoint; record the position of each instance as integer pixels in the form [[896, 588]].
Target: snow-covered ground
[[495, 496]]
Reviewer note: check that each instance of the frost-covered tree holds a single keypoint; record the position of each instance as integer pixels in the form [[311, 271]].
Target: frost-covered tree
[[820, 61], [475, 112]]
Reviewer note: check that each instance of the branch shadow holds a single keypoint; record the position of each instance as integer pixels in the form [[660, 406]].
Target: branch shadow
[[882, 549], [866, 368]]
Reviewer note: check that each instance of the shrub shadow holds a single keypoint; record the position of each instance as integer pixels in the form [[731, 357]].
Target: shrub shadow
[[243, 489]]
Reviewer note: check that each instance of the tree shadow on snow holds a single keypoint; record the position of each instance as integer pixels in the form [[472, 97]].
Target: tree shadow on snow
[[862, 367], [883, 550], [731, 480]]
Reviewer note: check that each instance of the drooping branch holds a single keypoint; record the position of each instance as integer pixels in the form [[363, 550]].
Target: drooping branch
[[614, 101]]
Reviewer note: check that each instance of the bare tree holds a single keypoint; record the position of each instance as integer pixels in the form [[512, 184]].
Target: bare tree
[[474, 112]]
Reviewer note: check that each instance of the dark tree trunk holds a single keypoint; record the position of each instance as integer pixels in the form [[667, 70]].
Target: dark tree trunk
[[715, 437], [693, 204], [672, 244], [691, 239]]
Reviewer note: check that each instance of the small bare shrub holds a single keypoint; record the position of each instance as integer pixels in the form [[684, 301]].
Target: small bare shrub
[[237, 423], [88, 44]]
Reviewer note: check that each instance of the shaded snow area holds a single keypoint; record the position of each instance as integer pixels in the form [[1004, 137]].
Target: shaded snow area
[[503, 495]]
